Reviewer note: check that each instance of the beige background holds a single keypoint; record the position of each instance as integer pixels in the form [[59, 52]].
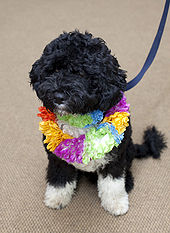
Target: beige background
[[128, 27]]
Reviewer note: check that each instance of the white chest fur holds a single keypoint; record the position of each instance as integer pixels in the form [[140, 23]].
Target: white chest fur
[[93, 165]]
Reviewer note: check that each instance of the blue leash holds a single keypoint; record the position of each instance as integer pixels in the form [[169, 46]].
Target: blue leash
[[153, 49]]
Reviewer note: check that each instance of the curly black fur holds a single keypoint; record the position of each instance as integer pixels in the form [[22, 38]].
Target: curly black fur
[[77, 74]]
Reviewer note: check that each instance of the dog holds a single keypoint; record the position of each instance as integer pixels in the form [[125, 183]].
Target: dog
[[77, 75]]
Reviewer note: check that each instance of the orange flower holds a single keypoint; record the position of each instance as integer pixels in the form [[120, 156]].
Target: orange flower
[[45, 114], [54, 135], [119, 120]]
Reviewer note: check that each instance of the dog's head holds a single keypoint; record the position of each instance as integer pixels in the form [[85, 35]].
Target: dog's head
[[77, 74]]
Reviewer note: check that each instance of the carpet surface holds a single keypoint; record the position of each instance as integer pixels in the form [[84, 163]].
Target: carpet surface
[[128, 27]]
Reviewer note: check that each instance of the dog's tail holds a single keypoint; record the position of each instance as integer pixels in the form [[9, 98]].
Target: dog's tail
[[153, 144]]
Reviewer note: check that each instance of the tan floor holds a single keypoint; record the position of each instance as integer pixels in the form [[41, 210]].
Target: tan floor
[[129, 28]]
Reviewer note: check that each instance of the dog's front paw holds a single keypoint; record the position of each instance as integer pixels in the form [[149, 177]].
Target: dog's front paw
[[59, 197], [117, 206], [114, 197]]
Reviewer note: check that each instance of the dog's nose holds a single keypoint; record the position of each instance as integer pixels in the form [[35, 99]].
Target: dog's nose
[[59, 98]]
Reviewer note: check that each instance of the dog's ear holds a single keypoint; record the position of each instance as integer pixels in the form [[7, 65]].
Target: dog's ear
[[50, 61], [35, 75], [40, 69], [118, 76], [110, 97], [112, 86]]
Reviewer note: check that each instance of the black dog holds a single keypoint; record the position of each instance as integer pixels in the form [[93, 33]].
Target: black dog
[[77, 74]]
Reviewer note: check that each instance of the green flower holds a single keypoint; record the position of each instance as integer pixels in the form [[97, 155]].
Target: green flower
[[76, 120], [98, 143]]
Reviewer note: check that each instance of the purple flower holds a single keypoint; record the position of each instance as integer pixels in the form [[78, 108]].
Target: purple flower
[[122, 106], [71, 150]]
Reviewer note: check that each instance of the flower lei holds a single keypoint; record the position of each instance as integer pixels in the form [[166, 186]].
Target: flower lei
[[102, 132]]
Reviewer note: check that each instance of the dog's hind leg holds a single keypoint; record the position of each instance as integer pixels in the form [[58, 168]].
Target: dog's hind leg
[[61, 182]]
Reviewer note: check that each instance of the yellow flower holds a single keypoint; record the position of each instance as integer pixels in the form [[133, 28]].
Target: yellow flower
[[54, 135], [119, 120]]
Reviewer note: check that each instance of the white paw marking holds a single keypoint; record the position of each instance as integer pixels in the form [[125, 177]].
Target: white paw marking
[[114, 197], [59, 197]]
